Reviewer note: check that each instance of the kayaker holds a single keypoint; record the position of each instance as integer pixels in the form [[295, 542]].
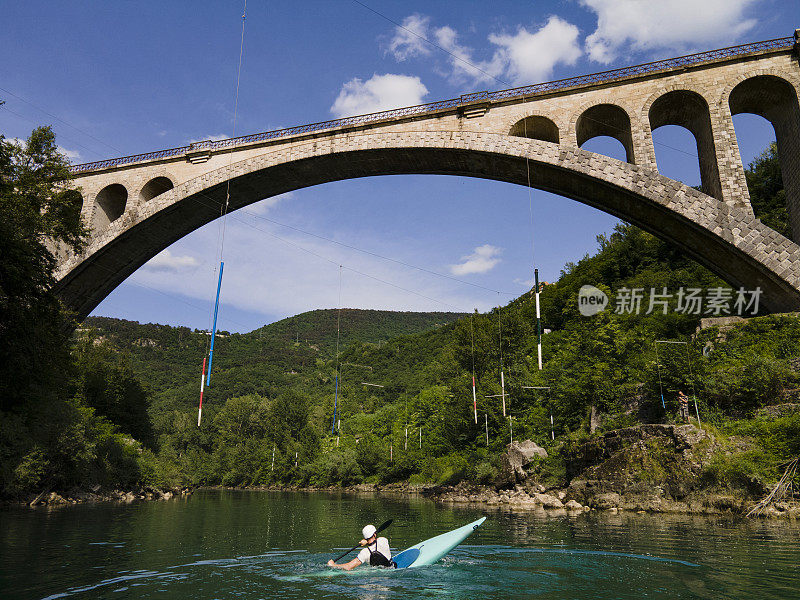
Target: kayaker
[[376, 552]]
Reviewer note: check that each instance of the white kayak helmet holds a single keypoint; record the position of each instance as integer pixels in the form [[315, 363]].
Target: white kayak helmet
[[368, 531]]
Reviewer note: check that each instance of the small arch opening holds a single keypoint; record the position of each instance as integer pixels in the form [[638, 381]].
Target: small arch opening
[[607, 146], [155, 187], [676, 154], [775, 100], [109, 206], [607, 120], [689, 110], [536, 128]]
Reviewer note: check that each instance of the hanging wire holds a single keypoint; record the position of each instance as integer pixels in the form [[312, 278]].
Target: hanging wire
[[502, 374], [530, 187], [691, 380], [472, 347], [235, 114], [221, 235], [338, 323], [375, 254], [533, 253], [660, 383], [500, 334]]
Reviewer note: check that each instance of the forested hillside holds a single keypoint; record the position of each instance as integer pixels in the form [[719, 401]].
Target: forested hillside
[[420, 424], [117, 404]]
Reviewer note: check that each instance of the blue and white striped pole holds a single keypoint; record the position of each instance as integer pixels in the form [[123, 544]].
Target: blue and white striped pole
[[214, 329]]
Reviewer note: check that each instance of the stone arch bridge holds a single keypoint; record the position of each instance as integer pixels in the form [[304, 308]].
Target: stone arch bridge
[[139, 205]]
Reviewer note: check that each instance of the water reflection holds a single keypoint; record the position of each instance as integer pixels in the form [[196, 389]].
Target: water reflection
[[273, 545]]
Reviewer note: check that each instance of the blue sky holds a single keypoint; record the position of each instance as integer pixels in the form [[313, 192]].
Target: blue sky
[[117, 78]]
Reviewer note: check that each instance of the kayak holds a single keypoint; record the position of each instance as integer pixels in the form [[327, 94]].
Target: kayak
[[431, 550], [424, 553]]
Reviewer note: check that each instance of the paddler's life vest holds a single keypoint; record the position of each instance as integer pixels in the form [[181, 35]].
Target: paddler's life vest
[[378, 559]]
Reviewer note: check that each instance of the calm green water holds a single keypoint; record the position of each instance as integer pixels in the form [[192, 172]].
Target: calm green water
[[222, 544]]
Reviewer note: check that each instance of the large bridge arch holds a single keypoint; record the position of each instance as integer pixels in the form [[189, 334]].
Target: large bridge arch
[[727, 239]]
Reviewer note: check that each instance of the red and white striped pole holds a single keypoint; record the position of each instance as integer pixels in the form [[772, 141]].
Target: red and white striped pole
[[474, 400], [202, 387], [538, 319]]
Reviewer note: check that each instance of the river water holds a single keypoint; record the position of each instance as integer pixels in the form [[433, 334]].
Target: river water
[[239, 544]]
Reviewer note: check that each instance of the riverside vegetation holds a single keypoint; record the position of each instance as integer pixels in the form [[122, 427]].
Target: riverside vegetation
[[114, 404]]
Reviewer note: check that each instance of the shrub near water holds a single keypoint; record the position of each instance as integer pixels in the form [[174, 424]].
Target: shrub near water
[[775, 442]]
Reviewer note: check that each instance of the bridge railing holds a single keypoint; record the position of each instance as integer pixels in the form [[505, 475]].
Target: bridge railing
[[421, 109]]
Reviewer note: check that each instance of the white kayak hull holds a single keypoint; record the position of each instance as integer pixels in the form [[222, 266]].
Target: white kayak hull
[[431, 550]]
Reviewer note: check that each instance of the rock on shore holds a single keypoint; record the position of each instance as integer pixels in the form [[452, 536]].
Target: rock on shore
[[76, 496], [647, 468]]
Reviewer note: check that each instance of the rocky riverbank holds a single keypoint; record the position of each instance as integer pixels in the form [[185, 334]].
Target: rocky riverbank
[[559, 501], [647, 468], [96, 494]]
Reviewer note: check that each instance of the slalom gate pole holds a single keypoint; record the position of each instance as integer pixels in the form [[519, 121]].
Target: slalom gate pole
[[474, 400], [503, 387], [202, 386], [335, 404], [214, 328], [538, 319]]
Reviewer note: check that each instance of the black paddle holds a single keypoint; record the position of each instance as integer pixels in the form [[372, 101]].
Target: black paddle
[[377, 531]]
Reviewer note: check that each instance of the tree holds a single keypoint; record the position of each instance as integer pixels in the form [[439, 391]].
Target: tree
[[41, 211], [767, 194], [106, 382]]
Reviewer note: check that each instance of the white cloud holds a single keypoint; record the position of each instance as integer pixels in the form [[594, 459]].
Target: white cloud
[[264, 274], [380, 92], [210, 138], [519, 58], [408, 39], [166, 262], [531, 57], [676, 25], [263, 206], [72, 155], [482, 260], [462, 64]]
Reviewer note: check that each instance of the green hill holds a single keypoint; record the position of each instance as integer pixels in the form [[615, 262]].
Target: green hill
[[121, 408], [298, 351]]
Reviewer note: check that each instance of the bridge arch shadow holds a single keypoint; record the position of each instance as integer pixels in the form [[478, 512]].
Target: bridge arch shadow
[[606, 120], [729, 240], [109, 205], [155, 187], [775, 99], [536, 127], [688, 109]]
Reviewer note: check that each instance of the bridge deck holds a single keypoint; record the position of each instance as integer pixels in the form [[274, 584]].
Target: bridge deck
[[512, 94]]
